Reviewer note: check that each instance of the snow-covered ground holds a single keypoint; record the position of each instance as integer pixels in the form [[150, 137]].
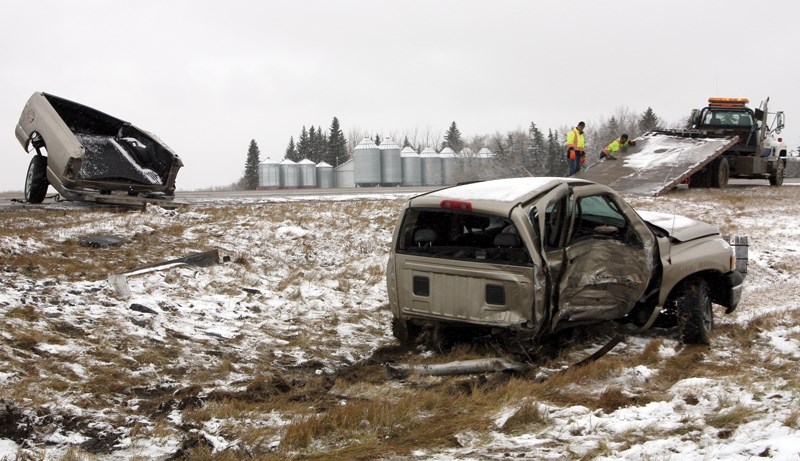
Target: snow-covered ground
[[85, 372]]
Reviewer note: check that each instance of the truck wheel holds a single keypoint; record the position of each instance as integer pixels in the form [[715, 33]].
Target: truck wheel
[[777, 178], [693, 309], [405, 331], [720, 172], [36, 180]]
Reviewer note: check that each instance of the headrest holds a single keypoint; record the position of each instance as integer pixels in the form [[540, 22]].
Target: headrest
[[507, 240], [424, 236]]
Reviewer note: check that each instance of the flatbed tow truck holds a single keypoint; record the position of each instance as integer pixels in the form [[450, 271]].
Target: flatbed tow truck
[[726, 140]]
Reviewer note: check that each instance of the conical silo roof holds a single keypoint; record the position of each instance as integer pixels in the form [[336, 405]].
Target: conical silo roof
[[409, 152], [428, 152], [388, 143], [485, 152], [447, 152], [467, 152], [288, 162], [366, 143], [306, 161], [324, 165]]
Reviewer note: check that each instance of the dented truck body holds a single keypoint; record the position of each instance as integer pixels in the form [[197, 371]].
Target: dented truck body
[[88, 155], [526, 257]]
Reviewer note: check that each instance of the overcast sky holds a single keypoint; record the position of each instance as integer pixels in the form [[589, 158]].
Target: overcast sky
[[209, 76]]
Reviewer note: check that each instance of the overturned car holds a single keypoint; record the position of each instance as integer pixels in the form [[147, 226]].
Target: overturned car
[[87, 155], [522, 258]]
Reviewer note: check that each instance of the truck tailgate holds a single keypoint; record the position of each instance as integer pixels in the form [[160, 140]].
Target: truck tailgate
[[657, 163]]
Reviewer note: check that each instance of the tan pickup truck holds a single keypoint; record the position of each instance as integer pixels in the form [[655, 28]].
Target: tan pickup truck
[[91, 156], [522, 258]]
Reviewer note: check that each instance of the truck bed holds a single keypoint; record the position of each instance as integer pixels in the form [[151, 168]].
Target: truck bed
[[657, 163]]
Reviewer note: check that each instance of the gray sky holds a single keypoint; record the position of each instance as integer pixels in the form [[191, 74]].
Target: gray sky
[[207, 77]]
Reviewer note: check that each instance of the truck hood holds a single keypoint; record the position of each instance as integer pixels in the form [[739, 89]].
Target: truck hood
[[679, 227]]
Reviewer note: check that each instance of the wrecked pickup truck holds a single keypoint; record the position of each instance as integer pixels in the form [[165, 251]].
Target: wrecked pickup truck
[[87, 155], [523, 258]]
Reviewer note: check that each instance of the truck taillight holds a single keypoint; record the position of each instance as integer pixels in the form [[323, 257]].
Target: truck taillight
[[456, 205]]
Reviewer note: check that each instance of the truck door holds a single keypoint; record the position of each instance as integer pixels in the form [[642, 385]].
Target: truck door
[[601, 255]]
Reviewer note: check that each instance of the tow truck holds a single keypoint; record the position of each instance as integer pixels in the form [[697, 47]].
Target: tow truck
[[726, 139]]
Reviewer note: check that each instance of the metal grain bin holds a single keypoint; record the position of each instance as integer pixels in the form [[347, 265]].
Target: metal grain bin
[[391, 165], [486, 163], [467, 165], [367, 164], [343, 175], [269, 175], [431, 167], [307, 171], [324, 175], [289, 176], [448, 157], [412, 167]]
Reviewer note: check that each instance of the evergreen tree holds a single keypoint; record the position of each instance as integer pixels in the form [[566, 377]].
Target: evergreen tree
[[453, 138], [291, 150], [337, 145], [536, 160], [303, 145], [649, 121], [313, 144], [406, 143], [377, 139], [557, 154], [250, 179]]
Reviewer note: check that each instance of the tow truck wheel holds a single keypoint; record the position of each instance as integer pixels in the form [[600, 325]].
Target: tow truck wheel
[[777, 178], [701, 179], [720, 173], [695, 316], [36, 180]]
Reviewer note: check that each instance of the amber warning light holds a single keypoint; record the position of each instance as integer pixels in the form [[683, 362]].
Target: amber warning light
[[456, 205], [727, 102]]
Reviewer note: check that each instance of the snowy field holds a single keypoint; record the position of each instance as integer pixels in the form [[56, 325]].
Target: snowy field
[[277, 353]]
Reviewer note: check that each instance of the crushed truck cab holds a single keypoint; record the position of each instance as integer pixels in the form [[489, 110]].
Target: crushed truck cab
[[91, 156], [522, 258]]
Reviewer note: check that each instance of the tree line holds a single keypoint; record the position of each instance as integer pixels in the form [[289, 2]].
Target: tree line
[[531, 152]]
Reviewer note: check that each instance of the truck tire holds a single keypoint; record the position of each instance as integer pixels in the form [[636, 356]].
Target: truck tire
[[693, 309], [405, 332], [720, 172], [780, 170], [701, 179], [36, 180]]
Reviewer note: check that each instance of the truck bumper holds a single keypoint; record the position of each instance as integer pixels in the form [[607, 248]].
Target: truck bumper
[[736, 280]]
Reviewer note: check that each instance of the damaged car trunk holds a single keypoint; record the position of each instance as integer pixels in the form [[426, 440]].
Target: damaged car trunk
[[87, 155]]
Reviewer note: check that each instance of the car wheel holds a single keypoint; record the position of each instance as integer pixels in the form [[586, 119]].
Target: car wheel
[[693, 309], [777, 178], [720, 173], [36, 180], [405, 331]]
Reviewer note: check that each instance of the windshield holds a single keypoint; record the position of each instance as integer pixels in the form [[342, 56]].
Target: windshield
[[733, 118]]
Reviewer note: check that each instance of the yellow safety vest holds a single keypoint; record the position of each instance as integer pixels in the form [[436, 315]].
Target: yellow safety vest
[[576, 141]]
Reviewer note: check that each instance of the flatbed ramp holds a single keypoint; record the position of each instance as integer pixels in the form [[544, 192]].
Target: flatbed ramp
[[657, 163]]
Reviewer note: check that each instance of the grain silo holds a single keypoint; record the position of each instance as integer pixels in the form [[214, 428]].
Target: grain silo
[[366, 164], [448, 157], [289, 176], [431, 167], [391, 168], [324, 175], [486, 163], [269, 175], [307, 172], [343, 175], [412, 167], [467, 165]]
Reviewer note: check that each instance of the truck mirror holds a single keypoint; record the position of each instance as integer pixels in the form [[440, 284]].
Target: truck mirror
[[759, 114], [778, 122]]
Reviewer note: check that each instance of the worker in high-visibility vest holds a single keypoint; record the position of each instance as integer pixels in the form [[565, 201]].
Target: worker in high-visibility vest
[[576, 148], [615, 146]]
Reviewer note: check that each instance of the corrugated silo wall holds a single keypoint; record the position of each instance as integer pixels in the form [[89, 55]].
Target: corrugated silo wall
[[431, 171], [308, 174], [391, 166], [412, 171], [448, 170], [290, 176], [269, 176], [367, 166], [325, 177]]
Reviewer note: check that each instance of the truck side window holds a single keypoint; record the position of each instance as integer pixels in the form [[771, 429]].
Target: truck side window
[[555, 216], [599, 217]]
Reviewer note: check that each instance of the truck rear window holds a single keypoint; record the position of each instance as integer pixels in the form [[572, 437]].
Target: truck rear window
[[452, 234]]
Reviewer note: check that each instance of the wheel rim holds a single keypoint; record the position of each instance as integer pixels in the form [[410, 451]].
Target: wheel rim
[[29, 181], [708, 315]]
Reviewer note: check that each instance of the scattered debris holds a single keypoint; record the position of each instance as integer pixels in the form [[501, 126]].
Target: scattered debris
[[141, 308], [460, 367], [103, 241], [119, 282]]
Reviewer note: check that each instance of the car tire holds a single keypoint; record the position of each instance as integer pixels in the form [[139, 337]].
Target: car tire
[[780, 170], [720, 172], [694, 312], [36, 180]]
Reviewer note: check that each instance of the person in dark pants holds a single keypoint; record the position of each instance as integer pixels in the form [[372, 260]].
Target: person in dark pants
[[576, 148]]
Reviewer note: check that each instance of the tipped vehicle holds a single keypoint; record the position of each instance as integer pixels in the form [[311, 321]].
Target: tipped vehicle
[[87, 155]]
